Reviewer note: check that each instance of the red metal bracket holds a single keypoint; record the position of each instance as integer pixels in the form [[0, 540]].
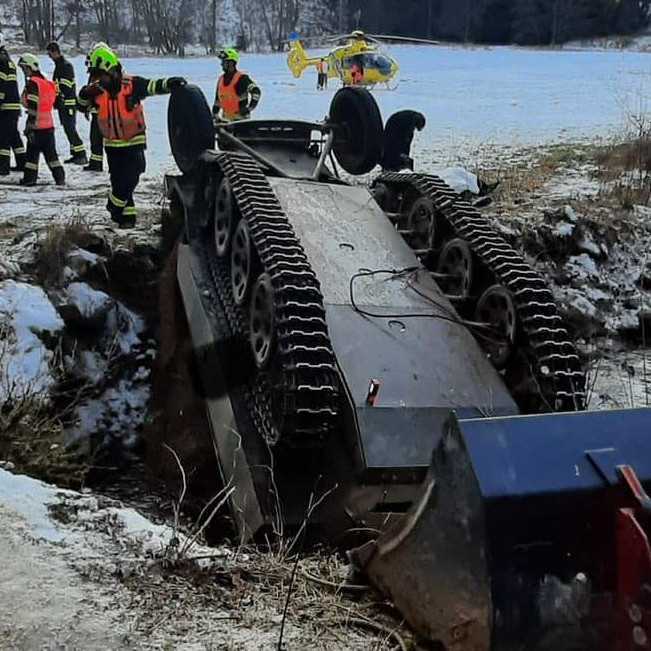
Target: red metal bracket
[[633, 603]]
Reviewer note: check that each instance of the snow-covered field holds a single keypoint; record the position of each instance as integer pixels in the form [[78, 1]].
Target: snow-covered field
[[474, 98]]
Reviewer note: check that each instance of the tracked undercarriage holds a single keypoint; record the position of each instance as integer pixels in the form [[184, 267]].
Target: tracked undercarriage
[[366, 361], [513, 311]]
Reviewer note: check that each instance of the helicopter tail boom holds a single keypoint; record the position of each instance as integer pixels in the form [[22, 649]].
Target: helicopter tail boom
[[298, 60]]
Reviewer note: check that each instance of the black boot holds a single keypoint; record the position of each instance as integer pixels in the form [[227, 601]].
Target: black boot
[[20, 163], [93, 166], [27, 181], [59, 175], [77, 159], [127, 222]]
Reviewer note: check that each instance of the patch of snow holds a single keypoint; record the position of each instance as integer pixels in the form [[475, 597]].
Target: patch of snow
[[571, 184], [570, 214], [563, 229], [91, 303], [87, 256], [91, 365], [31, 498], [588, 245], [80, 261], [120, 412], [582, 265], [25, 361], [123, 328], [623, 321], [70, 274], [458, 178], [597, 295], [8, 269]]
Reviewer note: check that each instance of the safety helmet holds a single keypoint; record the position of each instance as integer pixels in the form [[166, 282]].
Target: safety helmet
[[29, 61], [229, 54], [95, 47], [103, 58]]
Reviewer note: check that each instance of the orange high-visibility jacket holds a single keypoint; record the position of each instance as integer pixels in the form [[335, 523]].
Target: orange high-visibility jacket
[[47, 93], [118, 122]]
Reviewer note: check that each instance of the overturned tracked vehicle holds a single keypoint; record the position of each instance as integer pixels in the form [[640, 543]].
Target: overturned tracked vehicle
[[368, 358]]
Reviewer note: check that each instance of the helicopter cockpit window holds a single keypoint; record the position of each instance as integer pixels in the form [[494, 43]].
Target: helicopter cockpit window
[[370, 60]]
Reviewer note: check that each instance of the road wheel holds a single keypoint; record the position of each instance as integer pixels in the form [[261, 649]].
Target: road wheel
[[359, 132], [496, 308], [189, 126]]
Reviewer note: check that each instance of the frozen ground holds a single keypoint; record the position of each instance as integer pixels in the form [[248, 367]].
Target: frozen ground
[[480, 104], [473, 98], [80, 572], [70, 579]]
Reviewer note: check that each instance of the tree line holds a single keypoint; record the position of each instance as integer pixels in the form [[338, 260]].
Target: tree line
[[169, 26], [525, 22]]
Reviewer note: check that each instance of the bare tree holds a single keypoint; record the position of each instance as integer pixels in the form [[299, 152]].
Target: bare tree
[[37, 18], [280, 18]]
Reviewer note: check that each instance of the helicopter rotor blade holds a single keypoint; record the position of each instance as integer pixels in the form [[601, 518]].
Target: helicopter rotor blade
[[403, 39]]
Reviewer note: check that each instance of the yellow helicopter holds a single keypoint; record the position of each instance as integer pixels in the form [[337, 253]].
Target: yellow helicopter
[[357, 59]]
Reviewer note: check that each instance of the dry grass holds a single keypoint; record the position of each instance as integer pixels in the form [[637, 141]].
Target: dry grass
[[529, 175], [247, 593], [626, 156], [54, 247], [32, 431], [294, 599], [624, 169]]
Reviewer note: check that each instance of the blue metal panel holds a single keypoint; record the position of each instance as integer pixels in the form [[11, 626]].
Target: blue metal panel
[[520, 456]]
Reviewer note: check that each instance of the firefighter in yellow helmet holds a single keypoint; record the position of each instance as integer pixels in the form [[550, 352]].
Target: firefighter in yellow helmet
[[237, 94], [121, 119]]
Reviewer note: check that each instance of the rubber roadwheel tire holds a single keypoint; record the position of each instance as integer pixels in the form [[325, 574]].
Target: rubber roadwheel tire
[[360, 134], [189, 126]]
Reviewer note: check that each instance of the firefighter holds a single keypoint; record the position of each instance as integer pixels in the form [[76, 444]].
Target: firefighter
[[64, 78], [322, 75], [96, 163], [357, 71], [121, 119], [39, 96], [9, 114], [398, 136], [237, 94]]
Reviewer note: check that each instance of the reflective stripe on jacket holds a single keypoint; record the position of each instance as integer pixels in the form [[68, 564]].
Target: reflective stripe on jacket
[[9, 95], [44, 102], [229, 100], [120, 125]]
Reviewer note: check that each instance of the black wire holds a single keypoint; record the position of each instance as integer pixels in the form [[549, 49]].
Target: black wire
[[395, 273]]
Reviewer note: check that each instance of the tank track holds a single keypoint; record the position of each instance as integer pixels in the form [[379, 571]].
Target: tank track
[[554, 364], [296, 399]]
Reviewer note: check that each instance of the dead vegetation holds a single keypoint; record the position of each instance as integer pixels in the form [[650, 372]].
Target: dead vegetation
[[624, 169], [57, 242], [32, 434], [249, 590], [281, 594], [518, 180]]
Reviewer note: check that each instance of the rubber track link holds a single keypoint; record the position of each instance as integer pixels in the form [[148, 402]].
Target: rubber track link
[[297, 400], [555, 364]]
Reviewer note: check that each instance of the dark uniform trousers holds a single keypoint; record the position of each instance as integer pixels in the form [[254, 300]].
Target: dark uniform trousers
[[42, 142], [126, 164], [10, 139], [67, 117], [96, 144]]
